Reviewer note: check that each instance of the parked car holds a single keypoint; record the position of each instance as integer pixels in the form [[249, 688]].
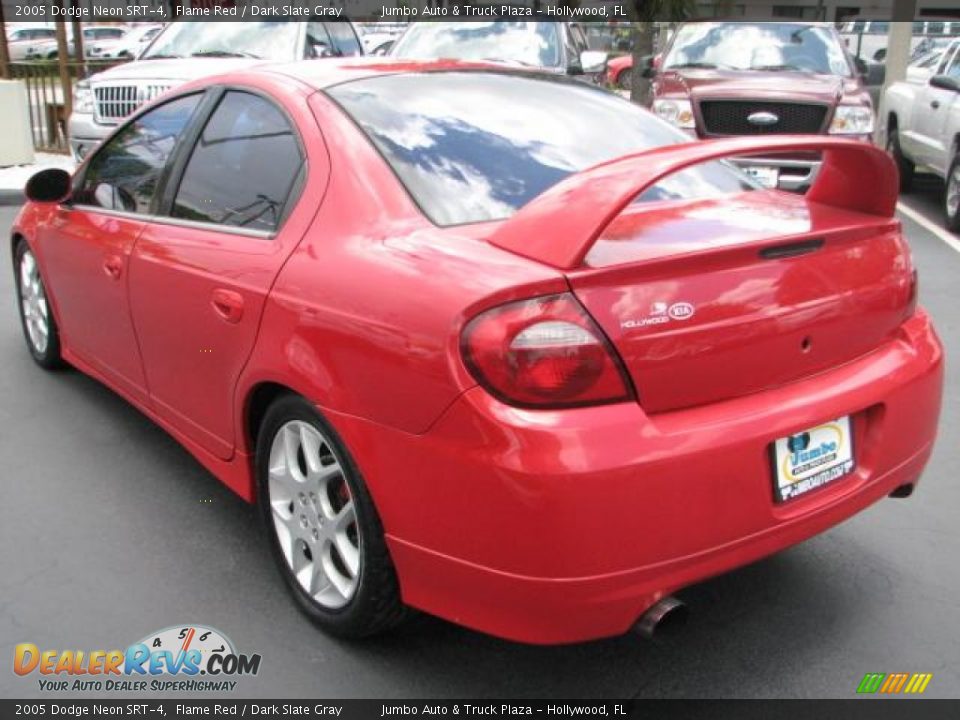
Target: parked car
[[718, 79], [867, 39], [620, 71], [920, 126], [187, 50], [21, 40], [557, 47], [49, 50], [127, 47], [490, 343]]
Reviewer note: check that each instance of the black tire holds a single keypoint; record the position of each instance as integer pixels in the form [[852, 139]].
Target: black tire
[[952, 217], [47, 357], [904, 165], [625, 79], [375, 605]]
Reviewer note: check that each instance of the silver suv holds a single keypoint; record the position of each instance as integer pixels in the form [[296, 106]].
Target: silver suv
[[185, 51]]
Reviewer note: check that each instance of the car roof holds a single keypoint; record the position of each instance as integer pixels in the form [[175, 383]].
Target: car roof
[[327, 72]]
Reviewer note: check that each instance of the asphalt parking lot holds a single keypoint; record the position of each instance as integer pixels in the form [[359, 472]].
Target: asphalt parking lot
[[110, 531]]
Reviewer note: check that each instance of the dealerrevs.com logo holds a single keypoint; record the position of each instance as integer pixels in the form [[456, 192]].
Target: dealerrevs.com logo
[[181, 658]]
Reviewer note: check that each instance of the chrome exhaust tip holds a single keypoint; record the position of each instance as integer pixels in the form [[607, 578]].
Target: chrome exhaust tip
[[664, 616]]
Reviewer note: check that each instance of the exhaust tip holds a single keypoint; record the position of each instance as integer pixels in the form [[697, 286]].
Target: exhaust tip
[[662, 618], [904, 491]]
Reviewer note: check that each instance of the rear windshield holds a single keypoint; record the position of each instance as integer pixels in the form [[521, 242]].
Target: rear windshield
[[476, 146]]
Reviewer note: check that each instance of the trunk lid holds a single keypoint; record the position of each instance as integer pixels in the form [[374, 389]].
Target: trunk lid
[[718, 298]]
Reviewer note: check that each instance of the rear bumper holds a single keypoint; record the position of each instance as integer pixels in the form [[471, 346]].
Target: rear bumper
[[552, 527]]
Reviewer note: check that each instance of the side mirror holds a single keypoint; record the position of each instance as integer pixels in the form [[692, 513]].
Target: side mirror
[[945, 82], [52, 185], [648, 66], [593, 61]]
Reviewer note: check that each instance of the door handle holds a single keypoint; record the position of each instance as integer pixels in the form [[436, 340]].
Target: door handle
[[113, 266], [934, 104], [228, 304]]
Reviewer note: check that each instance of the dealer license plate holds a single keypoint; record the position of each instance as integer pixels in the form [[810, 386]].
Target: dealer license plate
[[769, 177], [813, 458]]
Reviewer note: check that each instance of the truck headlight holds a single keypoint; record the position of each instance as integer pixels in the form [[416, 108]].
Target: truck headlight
[[678, 113], [83, 98], [852, 120]]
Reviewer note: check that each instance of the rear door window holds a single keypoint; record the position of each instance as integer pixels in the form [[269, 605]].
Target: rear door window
[[243, 167]]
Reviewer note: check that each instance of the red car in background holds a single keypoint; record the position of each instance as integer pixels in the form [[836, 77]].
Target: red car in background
[[722, 79], [489, 343]]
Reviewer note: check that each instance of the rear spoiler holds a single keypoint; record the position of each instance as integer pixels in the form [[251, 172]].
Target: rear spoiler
[[559, 226]]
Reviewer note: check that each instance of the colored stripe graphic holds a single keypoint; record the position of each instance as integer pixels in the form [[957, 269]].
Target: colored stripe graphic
[[870, 683], [893, 683]]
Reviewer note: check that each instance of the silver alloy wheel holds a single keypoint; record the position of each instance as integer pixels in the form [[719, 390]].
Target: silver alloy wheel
[[953, 192], [314, 514], [33, 303]]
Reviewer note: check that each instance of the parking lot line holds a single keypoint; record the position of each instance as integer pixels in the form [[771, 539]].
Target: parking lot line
[[941, 232]]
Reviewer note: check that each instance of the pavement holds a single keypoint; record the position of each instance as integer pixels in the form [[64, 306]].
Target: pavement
[[14, 177], [109, 530]]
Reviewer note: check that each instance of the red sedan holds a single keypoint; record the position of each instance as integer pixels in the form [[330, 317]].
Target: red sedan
[[487, 343]]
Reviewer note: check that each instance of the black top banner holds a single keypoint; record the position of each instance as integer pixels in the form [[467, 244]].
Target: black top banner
[[593, 11], [246, 10]]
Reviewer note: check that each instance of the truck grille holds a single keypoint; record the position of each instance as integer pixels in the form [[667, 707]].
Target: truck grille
[[115, 102], [729, 117]]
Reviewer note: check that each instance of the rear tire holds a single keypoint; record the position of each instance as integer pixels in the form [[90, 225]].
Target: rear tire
[[904, 165], [36, 316], [951, 196], [324, 531]]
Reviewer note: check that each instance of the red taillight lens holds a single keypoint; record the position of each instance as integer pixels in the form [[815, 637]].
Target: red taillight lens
[[544, 352]]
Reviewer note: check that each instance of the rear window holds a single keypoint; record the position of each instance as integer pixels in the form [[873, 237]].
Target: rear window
[[477, 146]]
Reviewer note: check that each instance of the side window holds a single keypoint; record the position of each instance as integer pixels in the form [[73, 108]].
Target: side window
[[579, 39], [243, 167], [953, 69], [946, 58], [319, 43], [123, 175], [345, 40]]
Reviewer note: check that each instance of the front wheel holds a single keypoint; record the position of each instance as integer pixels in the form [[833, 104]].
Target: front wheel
[[951, 197], [325, 534], [39, 326]]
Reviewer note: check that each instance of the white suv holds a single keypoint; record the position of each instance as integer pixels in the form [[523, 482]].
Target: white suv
[[188, 50]]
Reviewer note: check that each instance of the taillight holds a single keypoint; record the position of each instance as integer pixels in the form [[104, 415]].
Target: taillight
[[545, 352]]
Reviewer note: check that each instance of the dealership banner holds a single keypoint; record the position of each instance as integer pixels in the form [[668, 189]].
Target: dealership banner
[[374, 709]]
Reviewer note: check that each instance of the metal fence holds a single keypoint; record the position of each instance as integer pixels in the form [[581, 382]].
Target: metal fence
[[46, 88]]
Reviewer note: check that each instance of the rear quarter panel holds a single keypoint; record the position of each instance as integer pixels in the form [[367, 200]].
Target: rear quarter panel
[[365, 317]]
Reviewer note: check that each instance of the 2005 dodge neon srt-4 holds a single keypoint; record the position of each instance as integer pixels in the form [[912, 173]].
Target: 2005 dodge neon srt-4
[[488, 343]]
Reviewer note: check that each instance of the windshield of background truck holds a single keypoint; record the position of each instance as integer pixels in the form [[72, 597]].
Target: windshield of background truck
[[527, 43], [758, 47], [268, 40]]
